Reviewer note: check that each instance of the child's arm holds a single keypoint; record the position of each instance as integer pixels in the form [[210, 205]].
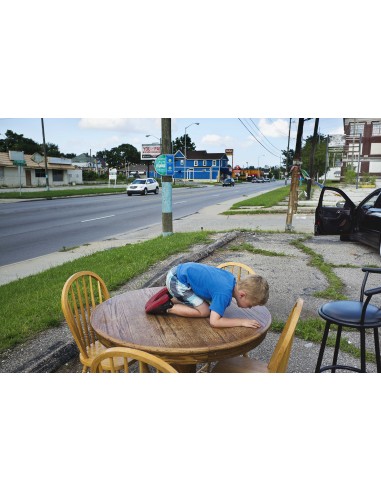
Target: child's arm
[[217, 321]]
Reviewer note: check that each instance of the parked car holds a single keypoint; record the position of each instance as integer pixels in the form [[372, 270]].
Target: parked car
[[266, 180], [260, 180], [228, 182], [143, 186], [336, 214]]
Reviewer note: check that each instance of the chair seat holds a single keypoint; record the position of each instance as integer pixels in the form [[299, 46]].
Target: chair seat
[[96, 349], [240, 364], [348, 313]]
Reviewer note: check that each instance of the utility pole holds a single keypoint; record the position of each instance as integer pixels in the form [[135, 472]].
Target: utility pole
[[166, 181], [45, 158], [296, 164], [312, 158]]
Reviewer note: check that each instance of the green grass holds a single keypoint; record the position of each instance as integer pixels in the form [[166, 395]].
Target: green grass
[[268, 199], [32, 304], [61, 193], [255, 251]]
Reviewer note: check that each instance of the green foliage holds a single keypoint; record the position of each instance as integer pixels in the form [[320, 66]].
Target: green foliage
[[350, 176], [320, 154], [119, 157], [38, 297], [178, 144]]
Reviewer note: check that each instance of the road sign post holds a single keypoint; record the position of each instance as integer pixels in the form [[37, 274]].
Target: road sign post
[[164, 165]]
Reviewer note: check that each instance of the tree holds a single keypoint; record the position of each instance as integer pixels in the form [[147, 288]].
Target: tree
[[320, 152], [16, 141], [118, 157], [178, 144]]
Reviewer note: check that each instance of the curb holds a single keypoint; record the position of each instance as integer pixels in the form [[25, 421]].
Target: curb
[[54, 347]]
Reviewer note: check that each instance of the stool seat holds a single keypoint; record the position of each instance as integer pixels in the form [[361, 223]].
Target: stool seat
[[354, 314], [348, 313]]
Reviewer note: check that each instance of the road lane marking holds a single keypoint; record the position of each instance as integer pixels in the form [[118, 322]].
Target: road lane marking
[[184, 201], [98, 218]]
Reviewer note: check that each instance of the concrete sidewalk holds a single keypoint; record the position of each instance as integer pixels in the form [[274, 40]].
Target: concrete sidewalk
[[289, 277]]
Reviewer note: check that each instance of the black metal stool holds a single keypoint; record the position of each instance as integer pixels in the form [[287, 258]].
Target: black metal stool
[[354, 314]]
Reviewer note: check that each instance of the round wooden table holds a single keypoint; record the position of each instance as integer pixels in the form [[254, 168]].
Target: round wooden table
[[121, 321]]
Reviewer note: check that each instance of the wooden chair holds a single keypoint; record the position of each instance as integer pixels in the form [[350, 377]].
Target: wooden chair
[[239, 270], [80, 294], [144, 359], [280, 357]]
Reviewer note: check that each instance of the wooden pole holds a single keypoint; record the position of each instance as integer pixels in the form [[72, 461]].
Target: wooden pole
[[166, 181], [296, 164]]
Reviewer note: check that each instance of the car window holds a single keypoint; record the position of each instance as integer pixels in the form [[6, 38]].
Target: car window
[[331, 198], [139, 181], [371, 201]]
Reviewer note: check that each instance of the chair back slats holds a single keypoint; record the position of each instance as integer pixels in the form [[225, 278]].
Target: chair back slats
[[80, 294], [237, 269], [280, 357], [145, 361]]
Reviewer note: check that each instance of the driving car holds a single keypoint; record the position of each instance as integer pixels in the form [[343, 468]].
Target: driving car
[[336, 214], [142, 186], [228, 182]]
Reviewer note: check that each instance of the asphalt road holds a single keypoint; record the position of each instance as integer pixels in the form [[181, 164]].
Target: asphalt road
[[29, 229]]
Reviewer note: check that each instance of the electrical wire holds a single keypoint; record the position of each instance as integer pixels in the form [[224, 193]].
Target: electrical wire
[[264, 136], [260, 143]]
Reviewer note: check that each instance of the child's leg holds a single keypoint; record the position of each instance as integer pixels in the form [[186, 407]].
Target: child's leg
[[180, 309]]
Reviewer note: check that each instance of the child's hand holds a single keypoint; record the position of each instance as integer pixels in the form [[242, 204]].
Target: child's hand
[[251, 323]]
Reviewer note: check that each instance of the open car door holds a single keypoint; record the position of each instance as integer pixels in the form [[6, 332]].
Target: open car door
[[334, 213]]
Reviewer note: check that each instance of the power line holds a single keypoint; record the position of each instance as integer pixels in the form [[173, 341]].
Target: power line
[[260, 143], [264, 136]]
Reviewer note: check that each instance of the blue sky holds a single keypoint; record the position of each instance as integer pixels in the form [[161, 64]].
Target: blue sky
[[254, 140]]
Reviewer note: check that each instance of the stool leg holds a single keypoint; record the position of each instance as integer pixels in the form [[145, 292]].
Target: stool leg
[[322, 347], [362, 348], [337, 346], [377, 349]]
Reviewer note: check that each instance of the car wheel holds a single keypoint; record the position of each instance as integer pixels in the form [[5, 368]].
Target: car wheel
[[345, 238], [129, 194], [156, 191], [144, 192]]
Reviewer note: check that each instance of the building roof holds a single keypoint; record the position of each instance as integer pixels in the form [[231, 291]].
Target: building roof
[[5, 161], [203, 154]]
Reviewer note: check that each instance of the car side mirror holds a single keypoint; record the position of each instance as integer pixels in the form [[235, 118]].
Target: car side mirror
[[340, 204]]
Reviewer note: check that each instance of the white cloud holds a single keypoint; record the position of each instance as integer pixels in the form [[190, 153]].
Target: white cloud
[[214, 139], [274, 128]]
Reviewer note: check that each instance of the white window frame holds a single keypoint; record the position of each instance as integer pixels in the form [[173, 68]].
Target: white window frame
[[376, 125], [195, 164]]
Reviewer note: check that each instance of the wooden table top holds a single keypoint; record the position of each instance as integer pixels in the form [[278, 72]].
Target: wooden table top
[[122, 321]]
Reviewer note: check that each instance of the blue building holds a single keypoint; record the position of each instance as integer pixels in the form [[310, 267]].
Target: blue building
[[201, 166]]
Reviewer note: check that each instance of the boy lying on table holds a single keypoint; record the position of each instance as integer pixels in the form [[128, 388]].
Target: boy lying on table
[[195, 290]]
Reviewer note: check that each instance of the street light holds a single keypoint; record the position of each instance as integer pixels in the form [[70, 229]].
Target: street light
[[262, 155], [185, 141]]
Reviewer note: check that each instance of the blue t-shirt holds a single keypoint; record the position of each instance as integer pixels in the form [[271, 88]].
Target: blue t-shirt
[[210, 283]]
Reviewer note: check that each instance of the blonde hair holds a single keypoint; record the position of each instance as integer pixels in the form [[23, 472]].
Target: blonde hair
[[256, 288]]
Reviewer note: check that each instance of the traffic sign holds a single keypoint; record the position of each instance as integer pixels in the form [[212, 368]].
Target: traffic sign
[[164, 164], [19, 163]]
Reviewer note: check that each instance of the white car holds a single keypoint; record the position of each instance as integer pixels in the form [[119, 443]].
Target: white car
[[142, 186]]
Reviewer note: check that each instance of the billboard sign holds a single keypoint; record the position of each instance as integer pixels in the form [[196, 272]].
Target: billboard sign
[[336, 141], [150, 151]]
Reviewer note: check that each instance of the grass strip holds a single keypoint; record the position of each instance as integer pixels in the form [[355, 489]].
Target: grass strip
[[33, 304], [335, 287], [60, 193], [268, 199], [255, 251]]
